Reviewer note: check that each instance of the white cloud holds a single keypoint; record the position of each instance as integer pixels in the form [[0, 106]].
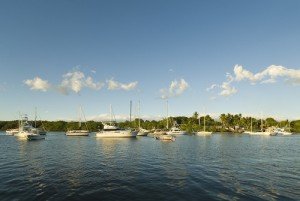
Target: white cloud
[[115, 85], [270, 75], [37, 84], [175, 89], [76, 80]]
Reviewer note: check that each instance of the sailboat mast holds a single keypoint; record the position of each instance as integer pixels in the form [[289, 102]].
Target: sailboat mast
[[130, 111], [204, 123], [251, 125], [35, 117], [79, 113], [110, 111], [167, 114], [139, 115]]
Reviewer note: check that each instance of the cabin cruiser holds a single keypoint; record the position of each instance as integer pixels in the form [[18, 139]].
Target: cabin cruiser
[[176, 131], [281, 132], [112, 131], [27, 131]]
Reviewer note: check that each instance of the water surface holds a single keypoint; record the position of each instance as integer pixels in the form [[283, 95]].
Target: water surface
[[220, 167]]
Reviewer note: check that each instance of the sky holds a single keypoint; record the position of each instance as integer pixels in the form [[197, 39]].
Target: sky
[[208, 56]]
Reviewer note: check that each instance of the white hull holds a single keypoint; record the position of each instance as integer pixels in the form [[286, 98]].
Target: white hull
[[142, 133], [203, 133], [258, 133], [176, 133], [78, 133], [22, 134], [283, 133], [35, 137], [165, 138], [117, 134]]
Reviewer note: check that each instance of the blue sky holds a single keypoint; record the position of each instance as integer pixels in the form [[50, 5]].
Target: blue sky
[[153, 43]]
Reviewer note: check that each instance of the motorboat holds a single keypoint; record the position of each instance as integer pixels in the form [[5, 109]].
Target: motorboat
[[110, 130]]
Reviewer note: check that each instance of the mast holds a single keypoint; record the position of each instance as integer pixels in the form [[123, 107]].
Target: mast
[[79, 113], [35, 117], [251, 125], [167, 114], [130, 110], [204, 123], [139, 115], [110, 111]]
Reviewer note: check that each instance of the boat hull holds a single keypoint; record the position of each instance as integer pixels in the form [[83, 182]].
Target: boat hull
[[78, 133], [203, 133], [116, 134], [165, 138], [35, 137]]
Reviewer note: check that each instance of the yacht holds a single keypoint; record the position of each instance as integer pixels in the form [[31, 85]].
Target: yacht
[[175, 130], [112, 131], [79, 132], [262, 132], [27, 131], [12, 131], [281, 132]]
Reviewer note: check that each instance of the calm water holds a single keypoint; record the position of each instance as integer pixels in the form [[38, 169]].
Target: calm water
[[220, 167]]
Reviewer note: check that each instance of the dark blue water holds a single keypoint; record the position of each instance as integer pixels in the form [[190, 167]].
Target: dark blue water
[[220, 167]]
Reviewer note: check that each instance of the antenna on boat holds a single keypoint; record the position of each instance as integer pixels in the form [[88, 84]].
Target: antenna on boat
[[139, 107], [79, 113], [35, 117]]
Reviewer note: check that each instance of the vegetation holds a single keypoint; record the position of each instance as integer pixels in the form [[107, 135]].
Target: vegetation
[[225, 123]]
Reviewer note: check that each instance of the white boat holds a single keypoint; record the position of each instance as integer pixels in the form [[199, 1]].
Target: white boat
[[204, 132], [79, 132], [12, 131], [112, 131], [281, 132], [165, 137], [176, 131], [27, 131], [262, 132], [141, 131]]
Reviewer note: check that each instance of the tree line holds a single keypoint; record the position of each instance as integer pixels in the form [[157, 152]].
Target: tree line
[[225, 123]]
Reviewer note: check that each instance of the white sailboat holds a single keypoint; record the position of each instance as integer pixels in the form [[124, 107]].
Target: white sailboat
[[112, 131], [79, 132], [141, 131], [204, 132], [162, 135], [261, 132], [283, 131]]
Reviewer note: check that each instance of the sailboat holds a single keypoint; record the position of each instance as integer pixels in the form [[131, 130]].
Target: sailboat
[[204, 132], [161, 135], [282, 131], [110, 130], [79, 132], [141, 131], [261, 132]]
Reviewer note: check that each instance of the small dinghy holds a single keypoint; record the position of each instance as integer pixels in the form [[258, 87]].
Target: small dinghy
[[165, 137]]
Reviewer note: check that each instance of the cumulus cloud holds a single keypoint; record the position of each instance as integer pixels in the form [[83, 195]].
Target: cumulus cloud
[[37, 84], [270, 75], [76, 80], [176, 88], [115, 85]]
